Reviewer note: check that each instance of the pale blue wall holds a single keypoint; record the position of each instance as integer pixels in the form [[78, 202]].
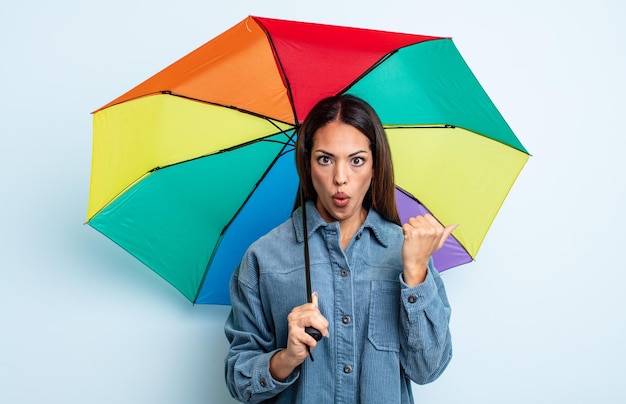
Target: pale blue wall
[[539, 317]]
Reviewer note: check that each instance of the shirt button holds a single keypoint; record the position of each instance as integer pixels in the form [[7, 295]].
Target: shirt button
[[412, 299], [263, 383], [358, 236], [345, 319], [344, 273], [347, 369]]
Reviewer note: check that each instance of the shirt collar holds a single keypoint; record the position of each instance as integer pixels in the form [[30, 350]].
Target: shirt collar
[[313, 220], [379, 226]]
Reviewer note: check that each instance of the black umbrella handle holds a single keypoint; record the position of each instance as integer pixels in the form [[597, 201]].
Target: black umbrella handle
[[313, 332]]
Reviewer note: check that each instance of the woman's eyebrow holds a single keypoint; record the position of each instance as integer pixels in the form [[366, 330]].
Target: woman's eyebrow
[[357, 152], [332, 155], [324, 152]]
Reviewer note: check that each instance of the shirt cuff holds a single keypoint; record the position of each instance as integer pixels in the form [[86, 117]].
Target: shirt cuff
[[263, 382], [420, 296]]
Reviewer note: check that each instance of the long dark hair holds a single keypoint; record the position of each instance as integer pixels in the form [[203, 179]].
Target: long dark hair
[[355, 112]]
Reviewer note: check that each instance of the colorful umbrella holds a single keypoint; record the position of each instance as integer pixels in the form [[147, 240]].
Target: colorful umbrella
[[195, 163]]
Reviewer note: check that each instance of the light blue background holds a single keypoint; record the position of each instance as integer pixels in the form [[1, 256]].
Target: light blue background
[[539, 318]]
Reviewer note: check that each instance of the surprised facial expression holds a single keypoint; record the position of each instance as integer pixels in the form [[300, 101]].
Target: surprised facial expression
[[341, 171]]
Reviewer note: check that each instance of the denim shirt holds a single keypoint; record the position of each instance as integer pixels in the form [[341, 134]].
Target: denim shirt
[[383, 333]]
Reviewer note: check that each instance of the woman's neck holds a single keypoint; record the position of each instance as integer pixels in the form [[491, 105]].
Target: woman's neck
[[349, 227]]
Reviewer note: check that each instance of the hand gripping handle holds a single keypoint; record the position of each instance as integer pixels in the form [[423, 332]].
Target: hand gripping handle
[[313, 332]]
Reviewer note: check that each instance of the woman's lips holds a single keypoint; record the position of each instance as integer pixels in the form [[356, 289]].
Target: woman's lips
[[341, 199]]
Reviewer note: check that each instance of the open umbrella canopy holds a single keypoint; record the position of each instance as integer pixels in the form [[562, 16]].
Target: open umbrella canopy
[[194, 164]]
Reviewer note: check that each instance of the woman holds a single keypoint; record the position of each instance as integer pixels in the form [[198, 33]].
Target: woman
[[379, 302]]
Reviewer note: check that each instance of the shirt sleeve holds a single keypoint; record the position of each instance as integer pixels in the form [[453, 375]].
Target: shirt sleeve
[[425, 340], [252, 345]]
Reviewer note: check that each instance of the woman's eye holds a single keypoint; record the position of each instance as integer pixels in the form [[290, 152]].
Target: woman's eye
[[323, 160], [358, 161]]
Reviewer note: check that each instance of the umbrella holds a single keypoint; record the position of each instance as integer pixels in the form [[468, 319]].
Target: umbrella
[[195, 163]]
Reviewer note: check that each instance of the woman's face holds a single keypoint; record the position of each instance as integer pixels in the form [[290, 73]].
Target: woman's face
[[341, 171]]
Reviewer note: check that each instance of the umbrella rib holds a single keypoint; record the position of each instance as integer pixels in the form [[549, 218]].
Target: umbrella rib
[[450, 126], [157, 168], [426, 126], [366, 72], [282, 152], [245, 111], [409, 195], [120, 193], [269, 167], [281, 70], [228, 149], [169, 92], [378, 63]]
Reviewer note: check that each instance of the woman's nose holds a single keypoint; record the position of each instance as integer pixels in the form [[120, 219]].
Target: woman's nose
[[340, 176]]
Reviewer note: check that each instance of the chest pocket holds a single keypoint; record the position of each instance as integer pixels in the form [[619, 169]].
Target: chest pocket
[[384, 316]]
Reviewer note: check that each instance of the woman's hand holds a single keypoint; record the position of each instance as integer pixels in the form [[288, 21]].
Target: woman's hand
[[423, 235], [307, 315]]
